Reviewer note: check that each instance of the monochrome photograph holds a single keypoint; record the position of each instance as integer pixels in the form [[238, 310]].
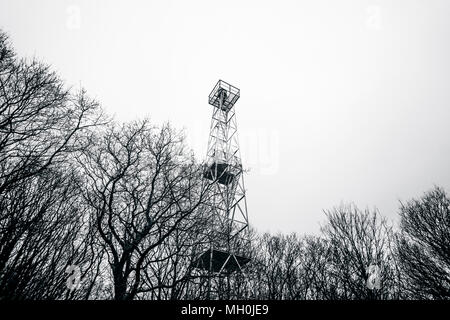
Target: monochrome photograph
[[224, 155]]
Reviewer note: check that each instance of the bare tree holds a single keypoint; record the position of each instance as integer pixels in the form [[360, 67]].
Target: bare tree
[[284, 267], [46, 231], [317, 270], [142, 189], [358, 239], [277, 265], [424, 245], [41, 126]]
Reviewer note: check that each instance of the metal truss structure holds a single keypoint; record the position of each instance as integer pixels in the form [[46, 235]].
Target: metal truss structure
[[228, 237]]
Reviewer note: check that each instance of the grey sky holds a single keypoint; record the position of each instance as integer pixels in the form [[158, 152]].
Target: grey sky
[[340, 100]]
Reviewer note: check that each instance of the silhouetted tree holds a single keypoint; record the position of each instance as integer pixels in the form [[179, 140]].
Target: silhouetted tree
[[424, 245], [42, 228], [285, 267], [142, 188], [277, 267], [357, 239]]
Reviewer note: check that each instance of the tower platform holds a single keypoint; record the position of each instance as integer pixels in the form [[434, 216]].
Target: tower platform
[[220, 261], [230, 95], [219, 171]]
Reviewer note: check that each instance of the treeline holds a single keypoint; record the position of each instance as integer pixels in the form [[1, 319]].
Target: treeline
[[125, 203]]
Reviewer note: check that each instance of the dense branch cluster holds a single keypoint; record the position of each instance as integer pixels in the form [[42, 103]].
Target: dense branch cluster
[[127, 205]]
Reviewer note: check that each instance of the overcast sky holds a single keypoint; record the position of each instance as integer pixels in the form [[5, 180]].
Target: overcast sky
[[341, 101]]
